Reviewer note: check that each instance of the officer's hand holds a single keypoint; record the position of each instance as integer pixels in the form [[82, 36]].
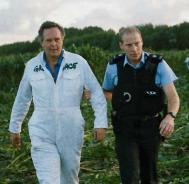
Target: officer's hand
[[86, 94], [167, 126], [15, 140], [99, 134]]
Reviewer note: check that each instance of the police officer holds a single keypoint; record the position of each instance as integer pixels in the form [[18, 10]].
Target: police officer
[[55, 80], [136, 83]]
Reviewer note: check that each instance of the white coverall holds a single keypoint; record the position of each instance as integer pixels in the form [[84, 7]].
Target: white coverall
[[56, 127]]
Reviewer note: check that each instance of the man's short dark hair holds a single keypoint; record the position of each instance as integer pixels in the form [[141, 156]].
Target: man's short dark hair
[[47, 25]]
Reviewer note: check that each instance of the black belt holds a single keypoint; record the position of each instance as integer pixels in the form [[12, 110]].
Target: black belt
[[141, 117], [147, 117]]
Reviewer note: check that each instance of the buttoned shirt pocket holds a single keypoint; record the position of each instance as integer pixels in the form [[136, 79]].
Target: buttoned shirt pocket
[[72, 84], [40, 86]]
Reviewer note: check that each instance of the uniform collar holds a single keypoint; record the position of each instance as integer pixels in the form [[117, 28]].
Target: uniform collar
[[140, 64]]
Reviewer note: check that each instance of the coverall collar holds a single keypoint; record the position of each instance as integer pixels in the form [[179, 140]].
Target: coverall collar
[[56, 67], [60, 58]]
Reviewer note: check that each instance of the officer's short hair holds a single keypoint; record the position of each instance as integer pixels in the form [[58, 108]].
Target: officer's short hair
[[128, 30], [47, 25]]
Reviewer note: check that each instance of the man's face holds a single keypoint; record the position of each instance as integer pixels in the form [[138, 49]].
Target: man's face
[[52, 42], [132, 45]]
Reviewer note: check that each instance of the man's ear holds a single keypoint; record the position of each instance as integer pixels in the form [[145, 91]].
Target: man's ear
[[121, 45], [42, 44], [142, 42]]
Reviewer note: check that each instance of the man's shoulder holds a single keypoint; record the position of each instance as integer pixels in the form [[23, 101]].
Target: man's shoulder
[[71, 55], [153, 58], [35, 62], [36, 58], [117, 58], [75, 60]]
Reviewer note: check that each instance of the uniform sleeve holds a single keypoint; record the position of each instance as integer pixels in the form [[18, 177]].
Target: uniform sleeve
[[21, 104], [97, 99], [187, 60], [110, 77], [165, 74]]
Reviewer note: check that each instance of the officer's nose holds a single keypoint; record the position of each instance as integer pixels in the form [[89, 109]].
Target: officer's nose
[[134, 48]]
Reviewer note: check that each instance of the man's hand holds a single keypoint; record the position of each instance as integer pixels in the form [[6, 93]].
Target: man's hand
[[99, 134], [86, 94], [167, 126], [15, 139], [108, 95]]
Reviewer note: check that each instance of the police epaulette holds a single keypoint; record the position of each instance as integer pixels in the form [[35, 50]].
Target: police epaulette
[[152, 61], [154, 58], [116, 58]]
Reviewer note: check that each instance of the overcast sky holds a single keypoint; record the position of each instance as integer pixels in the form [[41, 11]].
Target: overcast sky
[[20, 19]]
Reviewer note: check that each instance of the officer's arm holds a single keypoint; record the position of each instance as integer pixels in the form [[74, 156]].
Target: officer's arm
[[86, 94], [109, 79], [107, 94], [172, 97], [167, 124]]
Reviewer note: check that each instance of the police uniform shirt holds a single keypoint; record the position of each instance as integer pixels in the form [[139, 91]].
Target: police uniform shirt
[[164, 74], [187, 62]]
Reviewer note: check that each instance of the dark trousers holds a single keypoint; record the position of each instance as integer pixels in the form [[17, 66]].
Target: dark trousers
[[137, 144]]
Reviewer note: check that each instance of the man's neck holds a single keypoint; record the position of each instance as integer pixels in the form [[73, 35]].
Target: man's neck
[[133, 62], [52, 61]]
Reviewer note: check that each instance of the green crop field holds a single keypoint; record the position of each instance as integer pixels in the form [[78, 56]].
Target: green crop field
[[98, 162]]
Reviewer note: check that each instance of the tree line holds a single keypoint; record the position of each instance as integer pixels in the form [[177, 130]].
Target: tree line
[[156, 37]]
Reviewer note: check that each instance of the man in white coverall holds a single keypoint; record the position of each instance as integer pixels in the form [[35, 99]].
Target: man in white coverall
[[55, 80]]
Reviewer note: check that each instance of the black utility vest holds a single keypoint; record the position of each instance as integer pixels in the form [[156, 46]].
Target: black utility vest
[[136, 93]]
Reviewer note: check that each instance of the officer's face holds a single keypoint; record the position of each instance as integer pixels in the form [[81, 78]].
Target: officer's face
[[52, 42], [132, 45]]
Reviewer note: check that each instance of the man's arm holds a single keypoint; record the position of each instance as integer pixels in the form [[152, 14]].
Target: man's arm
[[19, 110], [167, 124], [110, 79], [15, 139], [98, 102], [108, 95]]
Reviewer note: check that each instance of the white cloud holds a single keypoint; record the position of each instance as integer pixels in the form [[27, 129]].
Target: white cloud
[[4, 5], [20, 19]]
